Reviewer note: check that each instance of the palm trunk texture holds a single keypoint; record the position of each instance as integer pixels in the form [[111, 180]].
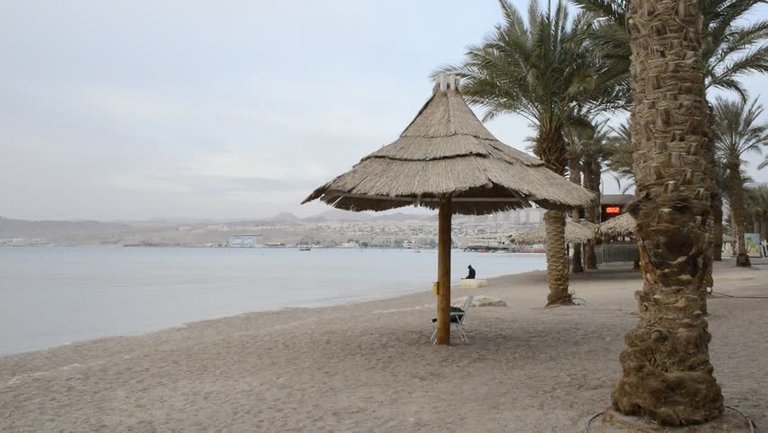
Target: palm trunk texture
[[592, 212], [550, 148], [717, 209], [667, 375], [711, 185], [557, 261], [575, 177], [737, 203]]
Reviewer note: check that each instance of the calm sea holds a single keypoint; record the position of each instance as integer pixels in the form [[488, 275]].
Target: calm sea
[[53, 296]]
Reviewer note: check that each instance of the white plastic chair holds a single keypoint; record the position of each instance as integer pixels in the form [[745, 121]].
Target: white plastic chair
[[457, 321]]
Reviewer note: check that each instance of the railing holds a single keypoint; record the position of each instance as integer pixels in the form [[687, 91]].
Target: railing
[[616, 252]]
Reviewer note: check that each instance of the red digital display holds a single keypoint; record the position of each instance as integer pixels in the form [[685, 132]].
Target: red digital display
[[613, 210]]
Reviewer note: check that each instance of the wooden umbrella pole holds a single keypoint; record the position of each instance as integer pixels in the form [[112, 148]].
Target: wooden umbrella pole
[[444, 272]]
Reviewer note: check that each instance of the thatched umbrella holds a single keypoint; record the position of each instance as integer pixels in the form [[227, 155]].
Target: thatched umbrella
[[446, 159], [622, 225], [575, 233]]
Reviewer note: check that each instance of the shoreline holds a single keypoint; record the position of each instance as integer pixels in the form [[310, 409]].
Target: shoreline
[[337, 302], [118, 302], [369, 365]]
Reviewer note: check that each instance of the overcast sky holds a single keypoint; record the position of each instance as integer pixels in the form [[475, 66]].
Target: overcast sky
[[228, 109]]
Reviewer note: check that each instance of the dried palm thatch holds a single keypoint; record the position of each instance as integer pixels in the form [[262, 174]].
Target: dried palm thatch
[[447, 152], [574, 233], [622, 225], [446, 159]]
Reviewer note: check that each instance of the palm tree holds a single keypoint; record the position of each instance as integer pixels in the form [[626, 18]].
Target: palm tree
[[571, 137], [727, 50], [721, 186], [545, 72], [667, 375], [737, 132], [620, 156], [757, 203], [589, 147], [726, 47]]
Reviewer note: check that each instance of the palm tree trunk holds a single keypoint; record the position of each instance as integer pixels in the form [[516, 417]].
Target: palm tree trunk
[[717, 215], [577, 266], [734, 245], [557, 262], [737, 204], [550, 148], [592, 212], [667, 375], [575, 177], [764, 228], [711, 185]]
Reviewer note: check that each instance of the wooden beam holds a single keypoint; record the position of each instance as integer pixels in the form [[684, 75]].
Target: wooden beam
[[444, 272]]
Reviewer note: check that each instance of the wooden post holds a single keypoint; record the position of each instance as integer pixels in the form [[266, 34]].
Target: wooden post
[[444, 272]]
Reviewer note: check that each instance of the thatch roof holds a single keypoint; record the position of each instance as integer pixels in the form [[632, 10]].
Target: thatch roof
[[446, 150], [622, 225], [574, 233]]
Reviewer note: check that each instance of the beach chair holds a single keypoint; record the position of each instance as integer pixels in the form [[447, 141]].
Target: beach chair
[[457, 321]]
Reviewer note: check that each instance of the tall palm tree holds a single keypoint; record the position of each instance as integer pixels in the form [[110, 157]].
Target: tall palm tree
[[728, 51], [571, 137], [737, 132], [727, 47], [589, 147], [667, 375], [545, 72]]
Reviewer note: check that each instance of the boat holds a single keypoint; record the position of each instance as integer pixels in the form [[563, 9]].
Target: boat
[[305, 248]]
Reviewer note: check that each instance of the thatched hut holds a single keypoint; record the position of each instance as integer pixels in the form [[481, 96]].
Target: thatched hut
[[447, 160], [575, 233], [622, 225]]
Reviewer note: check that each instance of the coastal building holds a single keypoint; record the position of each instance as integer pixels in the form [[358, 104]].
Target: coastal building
[[243, 241]]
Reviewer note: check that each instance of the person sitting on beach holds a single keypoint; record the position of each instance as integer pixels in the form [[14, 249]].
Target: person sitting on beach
[[471, 275]]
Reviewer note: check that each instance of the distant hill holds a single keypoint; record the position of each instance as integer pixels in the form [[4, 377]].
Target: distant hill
[[286, 217], [342, 215], [10, 228], [284, 227]]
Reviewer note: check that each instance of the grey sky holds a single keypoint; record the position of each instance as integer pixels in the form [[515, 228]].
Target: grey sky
[[228, 109]]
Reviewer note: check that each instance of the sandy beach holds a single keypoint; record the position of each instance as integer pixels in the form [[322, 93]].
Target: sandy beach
[[370, 367]]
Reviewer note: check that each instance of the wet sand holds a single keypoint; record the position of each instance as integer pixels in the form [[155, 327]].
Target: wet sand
[[370, 367]]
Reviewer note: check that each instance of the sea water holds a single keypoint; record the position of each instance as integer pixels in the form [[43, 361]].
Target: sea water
[[56, 295]]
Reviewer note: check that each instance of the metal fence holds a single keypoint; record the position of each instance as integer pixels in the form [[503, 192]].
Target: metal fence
[[616, 252]]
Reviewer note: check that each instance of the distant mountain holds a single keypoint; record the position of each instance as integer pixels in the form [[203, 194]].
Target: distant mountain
[[399, 216], [340, 215], [10, 228], [343, 215], [285, 217]]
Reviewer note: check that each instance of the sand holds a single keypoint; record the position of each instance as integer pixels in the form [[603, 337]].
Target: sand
[[370, 367]]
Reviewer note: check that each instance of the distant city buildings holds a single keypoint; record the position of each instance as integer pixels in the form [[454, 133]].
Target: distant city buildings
[[243, 241]]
